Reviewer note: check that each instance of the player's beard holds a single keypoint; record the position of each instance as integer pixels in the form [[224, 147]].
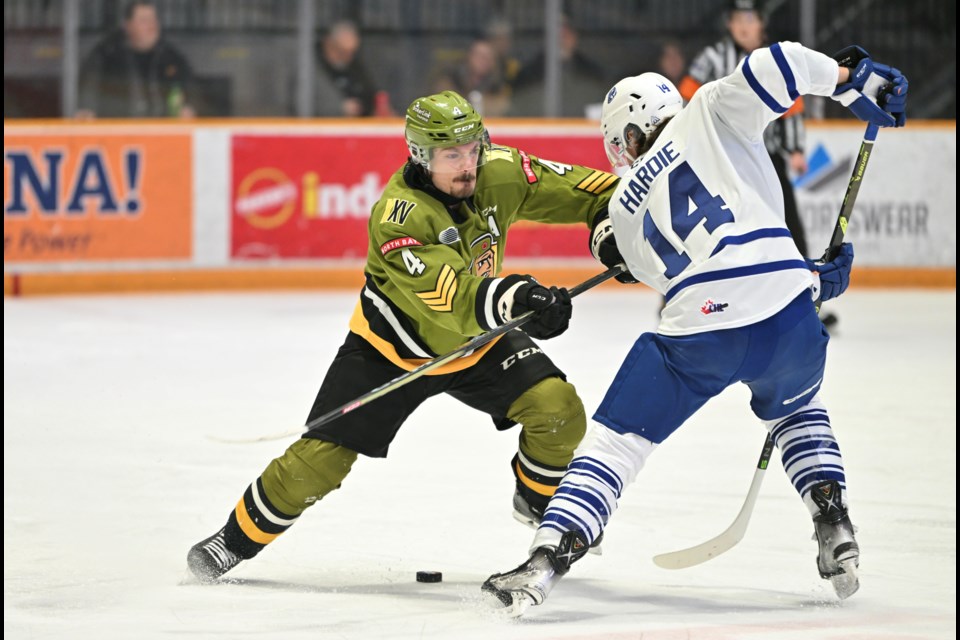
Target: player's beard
[[464, 185]]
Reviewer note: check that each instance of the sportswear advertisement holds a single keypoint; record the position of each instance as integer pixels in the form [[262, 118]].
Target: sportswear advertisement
[[78, 197], [306, 196], [905, 213]]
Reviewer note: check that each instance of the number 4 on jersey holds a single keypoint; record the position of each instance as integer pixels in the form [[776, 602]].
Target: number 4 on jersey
[[414, 264], [556, 167], [684, 187]]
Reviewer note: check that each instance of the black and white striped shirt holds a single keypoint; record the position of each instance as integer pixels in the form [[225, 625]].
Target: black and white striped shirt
[[785, 135]]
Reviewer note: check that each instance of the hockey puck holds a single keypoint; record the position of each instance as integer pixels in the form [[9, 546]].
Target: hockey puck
[[429, 576]]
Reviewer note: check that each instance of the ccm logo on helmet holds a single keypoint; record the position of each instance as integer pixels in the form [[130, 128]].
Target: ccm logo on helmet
[[465, 128]]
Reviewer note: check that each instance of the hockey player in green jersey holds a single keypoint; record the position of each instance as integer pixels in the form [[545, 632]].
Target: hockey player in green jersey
[[437, 240]]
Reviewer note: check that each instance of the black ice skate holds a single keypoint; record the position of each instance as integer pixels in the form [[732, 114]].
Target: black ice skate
[[530, 583], [839, 558], [526, 514], [210, 558]]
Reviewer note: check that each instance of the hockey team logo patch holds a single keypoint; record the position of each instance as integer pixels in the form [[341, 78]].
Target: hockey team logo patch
[[713, 307]]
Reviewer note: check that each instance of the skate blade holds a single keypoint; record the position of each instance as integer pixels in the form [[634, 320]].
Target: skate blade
[[846, 583], [521, 602], [522, 519]]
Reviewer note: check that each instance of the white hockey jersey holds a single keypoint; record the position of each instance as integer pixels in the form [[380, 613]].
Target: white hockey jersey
[[700, 216]]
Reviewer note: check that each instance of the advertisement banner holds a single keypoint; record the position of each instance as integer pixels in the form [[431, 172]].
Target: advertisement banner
[[303, 196], [84, 197], [905, 214]]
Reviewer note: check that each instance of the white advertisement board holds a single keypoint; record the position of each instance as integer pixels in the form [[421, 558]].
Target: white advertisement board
[[906, 212]]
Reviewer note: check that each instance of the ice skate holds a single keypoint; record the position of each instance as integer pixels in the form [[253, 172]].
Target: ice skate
[[839, 557], [526, 514], [530, 583], [210, 558]]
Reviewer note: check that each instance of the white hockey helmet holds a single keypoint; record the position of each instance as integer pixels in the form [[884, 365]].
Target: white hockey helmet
[[638, 104]]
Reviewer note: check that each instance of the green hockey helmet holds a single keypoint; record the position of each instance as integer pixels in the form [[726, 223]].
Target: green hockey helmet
[[442, 120]]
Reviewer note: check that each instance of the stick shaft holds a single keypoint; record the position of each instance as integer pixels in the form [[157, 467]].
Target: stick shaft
[[439, 361]]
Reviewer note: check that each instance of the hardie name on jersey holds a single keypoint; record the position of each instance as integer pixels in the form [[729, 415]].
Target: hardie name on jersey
[[636, 189]]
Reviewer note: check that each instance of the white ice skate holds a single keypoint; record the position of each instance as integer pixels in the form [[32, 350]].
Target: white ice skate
[[529, 584]]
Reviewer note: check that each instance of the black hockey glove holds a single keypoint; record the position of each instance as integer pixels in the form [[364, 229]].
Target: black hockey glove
[[518, 294], [603, 246], [553, 309]]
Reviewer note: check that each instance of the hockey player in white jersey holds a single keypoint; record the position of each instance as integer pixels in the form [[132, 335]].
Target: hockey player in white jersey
[[698, 216]]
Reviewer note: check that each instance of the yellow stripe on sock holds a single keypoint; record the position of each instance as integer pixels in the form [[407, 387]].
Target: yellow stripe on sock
[[542, 489], [249, 528]]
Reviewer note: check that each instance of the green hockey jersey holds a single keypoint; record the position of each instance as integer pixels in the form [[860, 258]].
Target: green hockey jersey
[[431, 269]]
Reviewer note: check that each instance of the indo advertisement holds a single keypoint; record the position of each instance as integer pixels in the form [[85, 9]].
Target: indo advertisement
[[298, 196], [109, 196]]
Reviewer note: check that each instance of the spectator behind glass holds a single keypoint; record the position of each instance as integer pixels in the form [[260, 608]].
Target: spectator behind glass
[[582, 80], [135, 73], [499, 33], [478, 78], [672, 64], [344, 87]]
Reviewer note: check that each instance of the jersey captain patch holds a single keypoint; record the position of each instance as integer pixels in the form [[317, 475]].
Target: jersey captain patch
[[440, 298], [596, 182], [397, 211]]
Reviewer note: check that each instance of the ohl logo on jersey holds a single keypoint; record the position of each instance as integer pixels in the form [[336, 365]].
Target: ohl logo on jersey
[[713, 307]]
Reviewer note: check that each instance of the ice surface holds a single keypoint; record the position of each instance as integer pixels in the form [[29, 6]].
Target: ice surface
[[110, 475]]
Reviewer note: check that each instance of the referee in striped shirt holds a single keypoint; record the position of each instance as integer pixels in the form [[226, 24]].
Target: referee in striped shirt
[[784, 138]]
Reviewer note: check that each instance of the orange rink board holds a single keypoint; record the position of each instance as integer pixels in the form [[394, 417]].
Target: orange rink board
[[103, 196], [196, 280]]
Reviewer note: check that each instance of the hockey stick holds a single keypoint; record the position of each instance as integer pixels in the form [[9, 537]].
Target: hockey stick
[[439, 361], [734, 533], [722, 543]]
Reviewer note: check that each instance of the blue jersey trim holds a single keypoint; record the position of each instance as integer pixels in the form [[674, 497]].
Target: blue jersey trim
[[759, 234], [737, 272], [786, 71], [759, 90]]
